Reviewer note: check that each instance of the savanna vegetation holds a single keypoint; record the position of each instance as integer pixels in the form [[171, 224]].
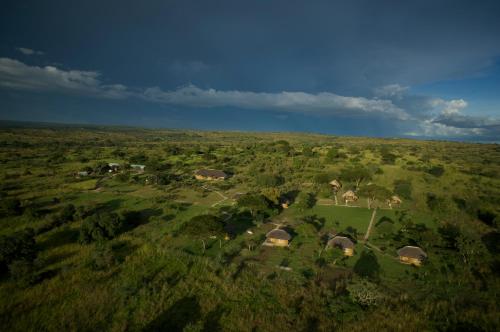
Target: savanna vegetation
[[158, 250]]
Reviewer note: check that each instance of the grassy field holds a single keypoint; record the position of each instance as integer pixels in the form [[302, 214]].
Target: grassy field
[[118, 251]]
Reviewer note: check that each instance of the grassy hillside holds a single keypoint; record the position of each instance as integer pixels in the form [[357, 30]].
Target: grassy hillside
[[128, 251]]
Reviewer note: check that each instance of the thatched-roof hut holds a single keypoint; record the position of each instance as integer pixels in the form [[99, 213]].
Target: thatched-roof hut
[[349, 196], [336, 185], [343, 243], [394, 200], [210, 174], [412, 255], [277, 237]]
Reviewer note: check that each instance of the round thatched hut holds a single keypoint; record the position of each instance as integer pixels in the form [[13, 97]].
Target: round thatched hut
[[336, 185], [394, 200], [349, 196], [278, 237], [412, 255], [344, 243]]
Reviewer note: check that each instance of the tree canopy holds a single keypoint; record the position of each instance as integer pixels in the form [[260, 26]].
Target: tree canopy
[[355, 174], [203, 226]]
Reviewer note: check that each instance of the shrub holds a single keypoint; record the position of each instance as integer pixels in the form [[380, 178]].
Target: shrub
[[123, 177], [365, 293], [103, 257], [333, 155], [12, 207], [269, 180], [139, 158], [23, 272], [67, 213], [307, 151], [388, 158], [437, 171], [434, 201], [487, 216], [18, 246]]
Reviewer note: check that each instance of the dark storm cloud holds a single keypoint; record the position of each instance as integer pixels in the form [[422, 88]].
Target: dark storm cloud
[[340, 58]]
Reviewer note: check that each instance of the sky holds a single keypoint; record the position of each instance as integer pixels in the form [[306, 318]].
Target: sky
[[423, 69]]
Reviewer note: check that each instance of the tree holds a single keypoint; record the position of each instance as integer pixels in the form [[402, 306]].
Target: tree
[[437, 171], [385, 227], [388, 158], [305, 200], [350, 232], [101, 168], [269, 180], [139, 158], [322, 178], [373, 191], [367, 265], [355, 174], [272, 194], [19, 246], [254, 203], [99, 227], [204, 226]]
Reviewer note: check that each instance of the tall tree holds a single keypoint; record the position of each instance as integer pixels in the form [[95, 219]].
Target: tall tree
[[356, 174], [204, 226], [372, 191]]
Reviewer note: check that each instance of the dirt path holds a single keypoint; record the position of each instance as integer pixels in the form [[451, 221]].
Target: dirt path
[[370, 225], [374, 247], [224, 198]]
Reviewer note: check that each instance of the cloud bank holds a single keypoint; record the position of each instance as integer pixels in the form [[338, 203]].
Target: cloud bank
[[17, 75], [429, 116], [322, 103]]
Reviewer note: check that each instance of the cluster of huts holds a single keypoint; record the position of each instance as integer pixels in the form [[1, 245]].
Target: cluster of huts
[[210, 174], [407, 255], [350, 195], [112, 168]]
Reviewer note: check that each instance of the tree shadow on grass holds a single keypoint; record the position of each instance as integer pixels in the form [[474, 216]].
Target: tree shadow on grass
[[47, 275], [168, 217], [133, 219], [111, 205], [177, 317], [212, 320], [239, 223], [60, 238], [56, 258], [122, 249], [492, 242]]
